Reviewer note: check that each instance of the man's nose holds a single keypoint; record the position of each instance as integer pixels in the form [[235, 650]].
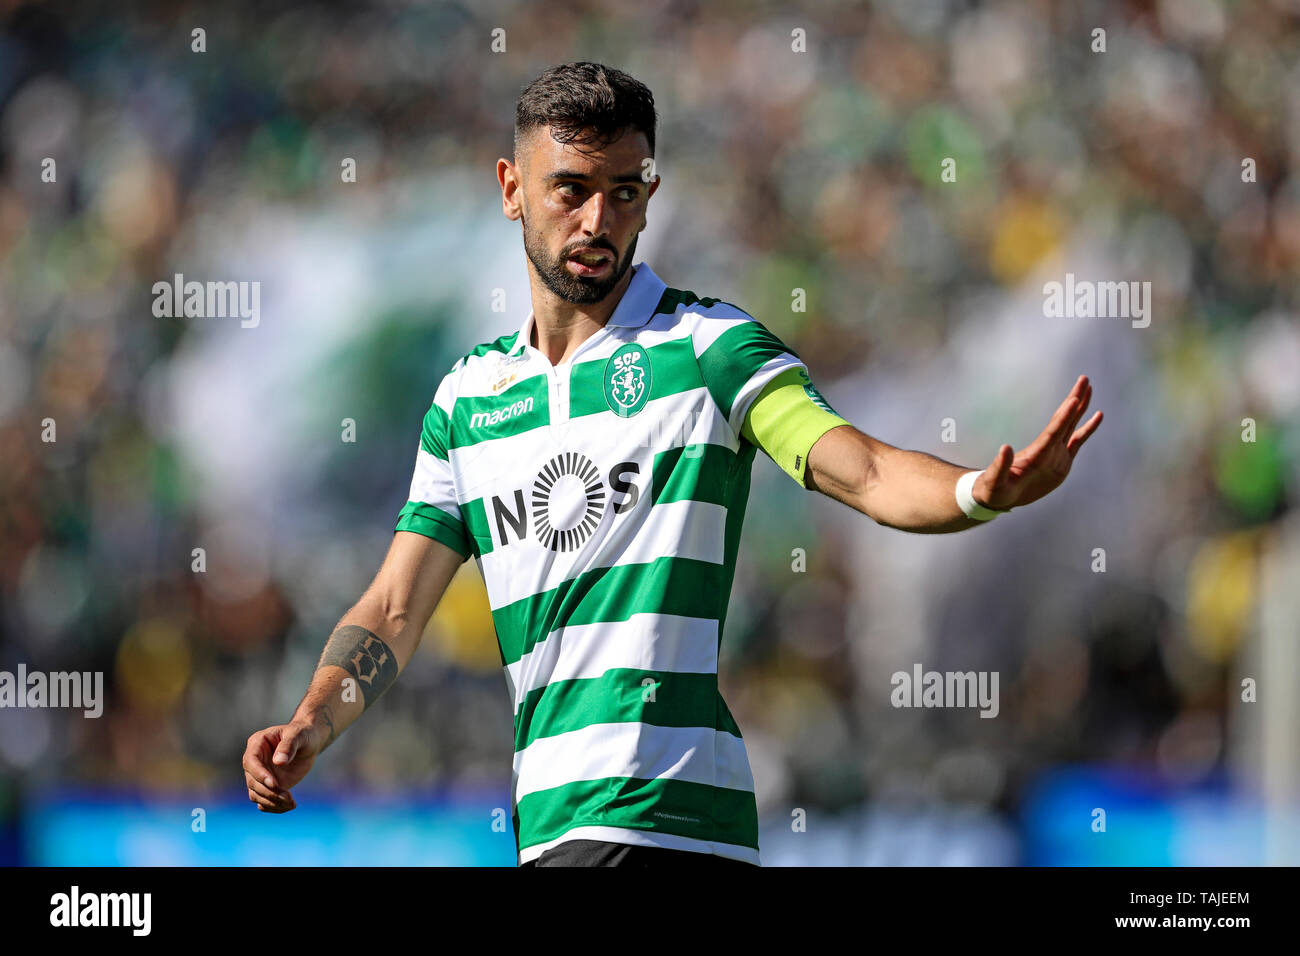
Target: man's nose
[[594, 219]]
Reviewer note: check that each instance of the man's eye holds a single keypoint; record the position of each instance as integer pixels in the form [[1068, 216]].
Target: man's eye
[[628, 193]]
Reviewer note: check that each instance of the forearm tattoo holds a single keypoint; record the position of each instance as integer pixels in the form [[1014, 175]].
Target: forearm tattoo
[[363, 655]]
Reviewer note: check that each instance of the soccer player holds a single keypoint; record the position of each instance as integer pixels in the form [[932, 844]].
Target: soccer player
[[595, 464]]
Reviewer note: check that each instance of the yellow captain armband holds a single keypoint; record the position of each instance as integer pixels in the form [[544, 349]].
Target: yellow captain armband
[[787, 418]]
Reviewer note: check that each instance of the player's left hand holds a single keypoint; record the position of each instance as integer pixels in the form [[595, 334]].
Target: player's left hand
[[1018, 478]]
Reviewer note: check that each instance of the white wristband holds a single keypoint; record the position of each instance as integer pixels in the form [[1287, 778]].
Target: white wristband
[[969, 506]]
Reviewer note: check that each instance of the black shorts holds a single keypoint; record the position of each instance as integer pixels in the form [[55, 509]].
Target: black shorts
[[600, 853]]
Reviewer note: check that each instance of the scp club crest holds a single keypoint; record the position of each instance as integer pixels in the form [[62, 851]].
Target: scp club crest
[[627, 380]]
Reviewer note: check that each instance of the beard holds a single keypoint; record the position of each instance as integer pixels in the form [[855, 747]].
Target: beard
[[578, 290]]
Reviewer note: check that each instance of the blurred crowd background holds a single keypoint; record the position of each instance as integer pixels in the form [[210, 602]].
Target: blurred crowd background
[[1122, 614]]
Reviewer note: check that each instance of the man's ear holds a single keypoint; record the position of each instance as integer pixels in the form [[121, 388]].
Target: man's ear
[[509, 178]]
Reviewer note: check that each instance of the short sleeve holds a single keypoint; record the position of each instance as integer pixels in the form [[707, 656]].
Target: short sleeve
[[738, 356], [432, 509]]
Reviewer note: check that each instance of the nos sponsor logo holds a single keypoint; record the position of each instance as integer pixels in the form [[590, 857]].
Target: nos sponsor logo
[[566, 503]]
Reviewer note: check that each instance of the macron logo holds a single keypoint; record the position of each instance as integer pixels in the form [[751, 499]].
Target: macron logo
[[520, 407]]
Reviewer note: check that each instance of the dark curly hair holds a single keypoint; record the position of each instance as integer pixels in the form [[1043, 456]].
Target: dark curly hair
[[586, 104]]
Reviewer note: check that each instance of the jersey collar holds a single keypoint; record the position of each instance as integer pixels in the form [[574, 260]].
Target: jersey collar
[[633, 310]]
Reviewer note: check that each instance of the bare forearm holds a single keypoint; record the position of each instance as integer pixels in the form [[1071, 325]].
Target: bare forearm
[[325, 707], [361, 660], [373, 642], [907, 490], [916, 492]]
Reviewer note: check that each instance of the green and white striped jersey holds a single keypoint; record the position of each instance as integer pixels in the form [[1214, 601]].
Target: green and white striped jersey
[[603, 499]]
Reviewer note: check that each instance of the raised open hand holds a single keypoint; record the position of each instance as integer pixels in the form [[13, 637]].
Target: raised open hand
[[1018, 478]]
